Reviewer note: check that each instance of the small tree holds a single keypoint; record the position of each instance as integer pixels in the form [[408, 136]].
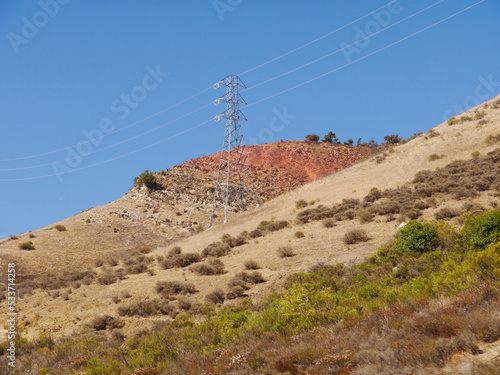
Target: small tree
[[392, 139], [312, 137], [331, 138], [349, 142], [147, 179]]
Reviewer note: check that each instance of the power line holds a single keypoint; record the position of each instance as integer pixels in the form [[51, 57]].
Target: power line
[[259, 84], [267, 98], [113, 145], [317, 39], [114, 132], [208, 88], [364, 57], [109, 160], [343, 48]]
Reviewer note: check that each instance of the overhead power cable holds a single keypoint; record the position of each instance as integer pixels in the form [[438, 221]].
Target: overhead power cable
[[345, 47], [364, 57], [259, 84], [267, 98], [317, 39], [201, 92]]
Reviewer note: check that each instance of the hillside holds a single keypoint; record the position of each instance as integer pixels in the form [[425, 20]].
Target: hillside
[[143, 282], [178, 207]]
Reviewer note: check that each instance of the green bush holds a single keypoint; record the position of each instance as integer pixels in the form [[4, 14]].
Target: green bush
[[147, 179], [416, 236], [483, 229]]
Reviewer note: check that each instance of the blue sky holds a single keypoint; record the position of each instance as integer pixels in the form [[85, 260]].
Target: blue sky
[[73, 70]]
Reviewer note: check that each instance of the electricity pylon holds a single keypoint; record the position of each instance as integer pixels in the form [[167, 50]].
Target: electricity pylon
[[235, 188]]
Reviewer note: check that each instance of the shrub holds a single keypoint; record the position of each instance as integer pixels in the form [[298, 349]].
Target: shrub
[[168, 288], [184, 303], [492, 139], [392, 139], [147, 179], [301, 203], [299, 234], [475, 154], [312, 137], [365, 216], [452, 121], [14, 238], [181, 260], [483, 229], [27, 245], [445, 213], [251, 265], [216, 249], [314, 214], [432, 133], [410, 213], [216, 297], [434, 157], [386, 208], [285, 251], [176, 250], [373, 195], [106, 322], [107, 278], [416, 236], [462, 192], [146, 308], [235, 292], [355, 236], [113, 262], [145, 250], [211, 267], [254, 277], [233, 241], [329, 223], [60, 228]]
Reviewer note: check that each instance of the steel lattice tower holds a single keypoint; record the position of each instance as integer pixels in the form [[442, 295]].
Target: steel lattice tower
[[235, 188]]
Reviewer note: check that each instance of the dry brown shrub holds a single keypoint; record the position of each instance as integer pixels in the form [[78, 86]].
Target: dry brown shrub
[[211, 267], [365, 216], [216, 297], [446, 213], [285, 251], [169, 288], [176, 250], [216, 249], [355, 236], [27, 245], [251, 265], [181, 260], [329, 223], [299, 234], [434, 157], [492, 139], [107, 278]]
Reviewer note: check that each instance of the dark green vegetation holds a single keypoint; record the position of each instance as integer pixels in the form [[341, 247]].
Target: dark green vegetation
[[147, 179], [375, 317]]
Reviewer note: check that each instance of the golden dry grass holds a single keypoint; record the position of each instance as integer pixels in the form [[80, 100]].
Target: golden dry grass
[[83, 242]]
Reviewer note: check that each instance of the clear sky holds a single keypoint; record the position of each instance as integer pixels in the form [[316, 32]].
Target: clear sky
[[109, 71]]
